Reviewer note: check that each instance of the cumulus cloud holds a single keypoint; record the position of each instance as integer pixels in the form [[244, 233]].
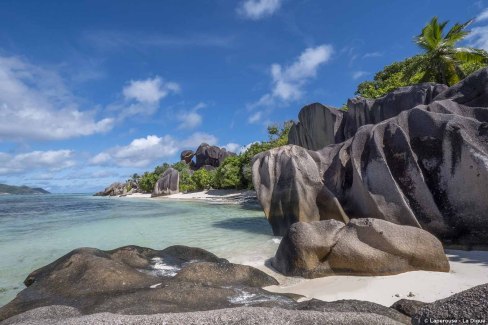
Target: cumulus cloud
[[233, 147], [191, 119], [288, 81], [35, 104], [196, 139], [143, 152], [149, 91], [53, 160], [479, 35], [257, 9], [482, 16]]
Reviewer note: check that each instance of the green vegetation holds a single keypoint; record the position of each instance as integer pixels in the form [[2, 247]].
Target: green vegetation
[[441, 62], [234, 173], [20, 190]]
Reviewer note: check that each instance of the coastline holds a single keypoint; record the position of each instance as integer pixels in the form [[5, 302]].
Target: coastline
[[241, 197], [468, 268]]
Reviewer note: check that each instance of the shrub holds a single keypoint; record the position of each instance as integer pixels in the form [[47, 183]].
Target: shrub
[[202, 179]]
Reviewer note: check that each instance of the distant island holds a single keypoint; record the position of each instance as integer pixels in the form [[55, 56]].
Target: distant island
[[21, 190]]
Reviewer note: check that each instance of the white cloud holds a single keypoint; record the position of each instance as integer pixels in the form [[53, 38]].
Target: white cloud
[[479, 37], [288, 82], [149, 91], [372, 55], [255, 118], [482, 16], [233, 147], [26, 162], [191, 119], [144, 152], [35, 104], [359, 74], [257, 9], [198, 138]]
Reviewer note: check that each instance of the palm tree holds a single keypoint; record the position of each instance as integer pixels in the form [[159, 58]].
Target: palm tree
[[442, 60]]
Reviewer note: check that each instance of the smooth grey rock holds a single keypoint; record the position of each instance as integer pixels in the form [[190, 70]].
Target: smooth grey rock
[[424, 167], [187, 156], [471, 304], [362, 247], [318, 127], [408, 307], [362, 111], [168, 183], [210, 155], [114, 189], [138, 280]]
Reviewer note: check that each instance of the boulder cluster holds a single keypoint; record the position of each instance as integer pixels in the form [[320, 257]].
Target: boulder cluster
[[415, 157], [207, 157]]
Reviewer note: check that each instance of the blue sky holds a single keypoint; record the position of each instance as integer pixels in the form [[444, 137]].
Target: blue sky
[[94, 91]]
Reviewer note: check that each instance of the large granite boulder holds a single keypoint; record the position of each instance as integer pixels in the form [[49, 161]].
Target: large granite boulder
[[362, 111], [362, 247], [210, 155], [168, 183], [424, 167], [115, 189], [318, 127], [187, 156], [176, 279], [470, 305]]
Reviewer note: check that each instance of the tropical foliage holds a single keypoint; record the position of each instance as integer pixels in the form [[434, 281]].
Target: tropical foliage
[[442, 61], [234, 173]]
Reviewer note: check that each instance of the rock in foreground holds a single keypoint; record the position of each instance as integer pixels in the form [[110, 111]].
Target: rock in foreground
[[470, 305], [62, 315], [134, 285], [137, 280], [362, 247]]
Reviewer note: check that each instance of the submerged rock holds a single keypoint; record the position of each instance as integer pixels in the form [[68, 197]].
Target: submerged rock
[[362, 247], [424, 168], [176, 279]]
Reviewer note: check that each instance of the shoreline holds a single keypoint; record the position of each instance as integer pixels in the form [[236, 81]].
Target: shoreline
[[468, 268], [239, 197]]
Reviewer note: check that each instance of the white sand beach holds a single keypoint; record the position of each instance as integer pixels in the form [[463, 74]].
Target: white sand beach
[[210, 196], [468, 269]]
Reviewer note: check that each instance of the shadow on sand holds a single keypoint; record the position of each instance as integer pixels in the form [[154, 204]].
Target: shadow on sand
[[249, 224]]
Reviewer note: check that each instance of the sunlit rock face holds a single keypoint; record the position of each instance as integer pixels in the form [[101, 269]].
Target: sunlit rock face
[[425, 167]]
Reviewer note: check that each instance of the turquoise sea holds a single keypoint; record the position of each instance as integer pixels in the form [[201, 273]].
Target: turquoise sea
[[35, 230]]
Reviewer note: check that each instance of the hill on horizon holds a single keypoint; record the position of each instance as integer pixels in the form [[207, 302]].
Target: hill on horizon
[[21, 190]]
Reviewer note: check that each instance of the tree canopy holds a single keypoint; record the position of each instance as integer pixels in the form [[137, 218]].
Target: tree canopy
[[441, 61]]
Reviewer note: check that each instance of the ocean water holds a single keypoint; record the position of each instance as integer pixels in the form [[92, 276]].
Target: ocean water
[[35, 230]]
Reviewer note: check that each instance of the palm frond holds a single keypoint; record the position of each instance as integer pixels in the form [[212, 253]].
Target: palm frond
[[470, 55], [457, 33]]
